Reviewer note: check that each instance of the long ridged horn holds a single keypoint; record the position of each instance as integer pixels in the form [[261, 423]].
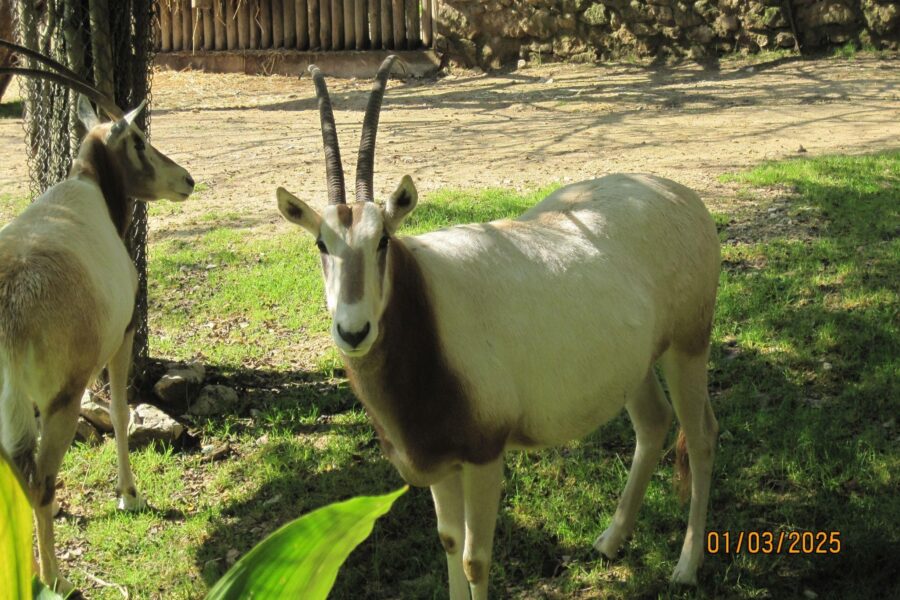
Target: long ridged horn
[[62, 75], [334, 172], [366, 160], [91, 92]]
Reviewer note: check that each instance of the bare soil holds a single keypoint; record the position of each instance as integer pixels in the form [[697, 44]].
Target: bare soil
[[243, 136]]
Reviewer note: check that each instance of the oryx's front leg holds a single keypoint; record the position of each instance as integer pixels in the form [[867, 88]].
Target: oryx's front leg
[[481, 491], [118, 367], [651, 416], [449, 507]]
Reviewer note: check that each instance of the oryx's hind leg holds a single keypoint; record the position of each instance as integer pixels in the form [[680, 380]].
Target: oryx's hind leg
[[57, 431], [687, 378], [651, 417], [449, 507], [118, 367]]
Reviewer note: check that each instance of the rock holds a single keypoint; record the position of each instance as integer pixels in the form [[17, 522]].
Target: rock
[[96, 411], [180, 384], [214, 400], [701, 35], [785, 39], [148, 423], [820, 14], [881, 18], [726, 24], [521, 63], [87, 433]]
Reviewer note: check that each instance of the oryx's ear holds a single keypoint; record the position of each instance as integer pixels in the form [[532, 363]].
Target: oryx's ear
[[131, 116], [86, 113], [296, 211], [400, 204], [125, 122]]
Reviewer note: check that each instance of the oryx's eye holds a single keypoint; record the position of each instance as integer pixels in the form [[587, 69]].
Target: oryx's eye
[[139, 144], [321, 246], [383, 243]]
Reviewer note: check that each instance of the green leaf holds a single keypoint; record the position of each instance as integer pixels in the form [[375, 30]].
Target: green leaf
[[301, 560], [15, 534], [39, 591]]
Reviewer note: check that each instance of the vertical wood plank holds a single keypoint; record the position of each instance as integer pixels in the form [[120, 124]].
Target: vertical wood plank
[[337, 24], [196, 29], [360, 15], [387, 25], [208, 29], [427, 35], [255, 33], [165, 26], [219, 23], [187, 25], [325, 24], [243, 21], [349, 25], [412, 24], [289, 23], [231, 30], [176, 26], [399, 10], [374, 24], [313, 6], [278, 23], [265, 24], [301, 15]]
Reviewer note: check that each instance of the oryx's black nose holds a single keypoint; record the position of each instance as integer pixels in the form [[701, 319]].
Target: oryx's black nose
[[353, 337], [189, 180]]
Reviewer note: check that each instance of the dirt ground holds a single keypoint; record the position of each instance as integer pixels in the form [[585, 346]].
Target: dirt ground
[[243, 136]]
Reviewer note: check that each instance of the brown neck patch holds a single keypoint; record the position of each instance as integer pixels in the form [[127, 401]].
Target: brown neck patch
[[95, 162], [405, 378]]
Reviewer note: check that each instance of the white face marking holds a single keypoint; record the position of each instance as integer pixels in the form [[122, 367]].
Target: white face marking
[[354, 267]]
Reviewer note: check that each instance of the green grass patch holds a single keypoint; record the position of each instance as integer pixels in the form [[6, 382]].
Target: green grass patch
[[12, 110], [804, 371]]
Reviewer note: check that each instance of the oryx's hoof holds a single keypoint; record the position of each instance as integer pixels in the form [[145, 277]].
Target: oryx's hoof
[[132, 502]]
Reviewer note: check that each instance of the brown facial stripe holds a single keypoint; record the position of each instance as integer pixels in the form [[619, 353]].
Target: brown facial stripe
[[406, 378], [345, 215], [353, 276], [96, 162]]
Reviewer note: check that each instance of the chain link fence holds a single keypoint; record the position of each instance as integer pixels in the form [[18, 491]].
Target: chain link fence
[[110, 43]]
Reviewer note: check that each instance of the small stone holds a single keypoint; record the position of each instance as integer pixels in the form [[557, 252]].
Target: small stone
[[785, 39], [521, 63], [827, 366], [231, 556], [87, 433], [180, 383], [808, 593], [213, 400], [273, 500], [726, 435], [148, 423], [96, 410]]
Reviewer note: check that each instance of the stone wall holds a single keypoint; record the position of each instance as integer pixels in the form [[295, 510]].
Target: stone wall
[[491, 33]]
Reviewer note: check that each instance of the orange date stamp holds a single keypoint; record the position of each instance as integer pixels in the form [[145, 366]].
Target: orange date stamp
[[773, 542]]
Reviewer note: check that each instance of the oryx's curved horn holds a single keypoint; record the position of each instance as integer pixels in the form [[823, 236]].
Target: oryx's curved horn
[[79, 86], [334, 172], [366, 159]]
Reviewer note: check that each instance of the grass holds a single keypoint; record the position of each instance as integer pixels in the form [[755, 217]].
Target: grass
[[804, 380]]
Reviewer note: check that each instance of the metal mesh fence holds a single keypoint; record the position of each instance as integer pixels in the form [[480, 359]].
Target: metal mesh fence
[[109, 43]]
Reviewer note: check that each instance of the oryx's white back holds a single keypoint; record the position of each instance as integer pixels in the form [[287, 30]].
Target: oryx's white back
[[582, 293]]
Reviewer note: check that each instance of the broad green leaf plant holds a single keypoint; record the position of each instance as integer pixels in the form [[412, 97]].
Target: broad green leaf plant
[[15, 534], [302, 559]]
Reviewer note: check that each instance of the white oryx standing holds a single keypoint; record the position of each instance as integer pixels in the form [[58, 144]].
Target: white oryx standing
[[521, 333], [67, 301]]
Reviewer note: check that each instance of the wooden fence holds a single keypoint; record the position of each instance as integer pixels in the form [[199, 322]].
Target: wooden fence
[[295, 24]]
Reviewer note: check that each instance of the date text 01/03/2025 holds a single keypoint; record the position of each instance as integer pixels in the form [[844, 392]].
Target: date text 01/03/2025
[[773, 542]]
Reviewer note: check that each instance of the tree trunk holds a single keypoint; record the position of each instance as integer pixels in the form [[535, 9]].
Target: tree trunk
[[289, 23], [301, 12], [219, 22], [360, 16], [399, 10], [313, 6], [387, 25]]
